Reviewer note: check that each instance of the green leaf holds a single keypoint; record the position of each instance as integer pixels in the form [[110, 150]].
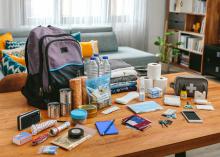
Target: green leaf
[[157, 43], [179, 43], [169, 33]]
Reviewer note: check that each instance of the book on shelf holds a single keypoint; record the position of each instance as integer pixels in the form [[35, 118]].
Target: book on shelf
[[202, 30], [184, 60], [191, 43], [199, 6]]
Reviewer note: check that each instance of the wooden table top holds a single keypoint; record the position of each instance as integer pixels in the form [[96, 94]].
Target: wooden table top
[[154, 141]]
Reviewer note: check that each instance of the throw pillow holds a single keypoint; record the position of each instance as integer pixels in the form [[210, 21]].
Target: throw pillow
[[13, 82], [14, 44], [89, 48], [18, 52], [77, 36], [4, 38], [9, 66], [20, 60]]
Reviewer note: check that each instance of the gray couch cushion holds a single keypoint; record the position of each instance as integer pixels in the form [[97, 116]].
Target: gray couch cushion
[[91, 29], [106, 40], [132, 56]]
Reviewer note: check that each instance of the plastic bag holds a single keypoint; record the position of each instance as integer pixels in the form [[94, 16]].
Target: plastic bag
[[99, 91]]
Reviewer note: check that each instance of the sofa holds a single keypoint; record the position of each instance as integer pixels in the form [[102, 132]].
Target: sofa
[[107, 43]]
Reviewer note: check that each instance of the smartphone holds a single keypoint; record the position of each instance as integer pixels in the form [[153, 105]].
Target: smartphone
[[192, 117], [27, 119]]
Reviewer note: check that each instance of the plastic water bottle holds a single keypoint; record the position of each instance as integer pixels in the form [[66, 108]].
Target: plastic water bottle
[[106, 65], [92, 70], [100, 64], [86, 65]]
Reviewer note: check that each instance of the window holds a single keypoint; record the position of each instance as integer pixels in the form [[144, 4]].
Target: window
[[76, 11]]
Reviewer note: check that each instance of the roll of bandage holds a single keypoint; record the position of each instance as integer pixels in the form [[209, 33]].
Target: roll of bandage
[[154, 71], [75, 85], [161, 83]]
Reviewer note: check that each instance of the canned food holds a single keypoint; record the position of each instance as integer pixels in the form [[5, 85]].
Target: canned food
[[65, 96], [53, 110], [65, 109]]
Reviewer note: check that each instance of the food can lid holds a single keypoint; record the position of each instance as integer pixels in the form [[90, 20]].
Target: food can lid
[[79, 114]]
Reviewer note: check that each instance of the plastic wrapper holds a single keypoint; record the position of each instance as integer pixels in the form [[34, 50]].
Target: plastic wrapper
[[99, 91], [48, 150]]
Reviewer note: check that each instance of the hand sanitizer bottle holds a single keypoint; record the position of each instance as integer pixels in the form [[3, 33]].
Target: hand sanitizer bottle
[[141, 90]]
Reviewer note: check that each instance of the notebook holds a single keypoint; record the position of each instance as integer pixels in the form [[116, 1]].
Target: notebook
[[147, 106], [103, 125]]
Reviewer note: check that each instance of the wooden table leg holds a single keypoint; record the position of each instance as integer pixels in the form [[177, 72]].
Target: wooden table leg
[[182, 154]]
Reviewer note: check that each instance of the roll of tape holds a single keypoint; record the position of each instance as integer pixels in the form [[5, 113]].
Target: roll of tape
[[75, 133], [161, 83], [154, 71]]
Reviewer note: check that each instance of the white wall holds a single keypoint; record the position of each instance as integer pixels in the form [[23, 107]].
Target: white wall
[[156, 18]]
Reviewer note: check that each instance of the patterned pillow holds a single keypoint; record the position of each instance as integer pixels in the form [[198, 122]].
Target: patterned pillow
[[9, 66], [14, 44], [18, 52], [4, 38]]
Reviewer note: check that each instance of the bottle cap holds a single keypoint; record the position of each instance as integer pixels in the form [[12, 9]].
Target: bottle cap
[[184, 87], [92, 58], [105, 57]]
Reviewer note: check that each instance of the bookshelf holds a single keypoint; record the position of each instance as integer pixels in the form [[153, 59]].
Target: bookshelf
[[182, 17]]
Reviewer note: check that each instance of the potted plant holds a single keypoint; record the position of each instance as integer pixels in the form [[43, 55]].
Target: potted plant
[[167, 50]]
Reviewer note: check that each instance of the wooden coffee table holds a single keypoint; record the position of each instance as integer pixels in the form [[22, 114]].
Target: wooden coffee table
[[154, 141]]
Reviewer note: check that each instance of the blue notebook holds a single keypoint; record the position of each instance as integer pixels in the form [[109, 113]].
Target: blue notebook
[[103, 125]]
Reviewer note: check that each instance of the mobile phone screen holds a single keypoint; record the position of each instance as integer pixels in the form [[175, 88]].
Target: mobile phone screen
[[191, 115]]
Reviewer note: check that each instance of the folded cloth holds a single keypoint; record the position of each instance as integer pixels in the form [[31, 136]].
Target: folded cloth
[[123, 73], [118, 64], [124, 79], [123, 84], [122, 69], [123, 89]]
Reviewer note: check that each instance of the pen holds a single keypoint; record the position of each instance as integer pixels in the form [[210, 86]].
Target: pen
[[106, 130]]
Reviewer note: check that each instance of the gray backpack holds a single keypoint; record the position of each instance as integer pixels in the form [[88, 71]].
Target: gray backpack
[[52, 57]]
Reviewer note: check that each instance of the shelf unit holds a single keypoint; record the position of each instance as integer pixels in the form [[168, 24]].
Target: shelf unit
[[181, 15]]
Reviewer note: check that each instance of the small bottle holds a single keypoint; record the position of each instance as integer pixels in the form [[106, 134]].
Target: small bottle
[[183, 93], [142, 90], [106, 65]]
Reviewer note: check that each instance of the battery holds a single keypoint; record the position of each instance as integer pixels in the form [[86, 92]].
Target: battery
[[53, 110], [65, 96]]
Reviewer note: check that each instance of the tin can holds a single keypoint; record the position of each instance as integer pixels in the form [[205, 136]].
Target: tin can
[[65, 96], [53, 110], [65, 109], [65, 101]]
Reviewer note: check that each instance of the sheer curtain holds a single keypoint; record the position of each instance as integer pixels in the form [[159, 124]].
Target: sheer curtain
[[129, 18]]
